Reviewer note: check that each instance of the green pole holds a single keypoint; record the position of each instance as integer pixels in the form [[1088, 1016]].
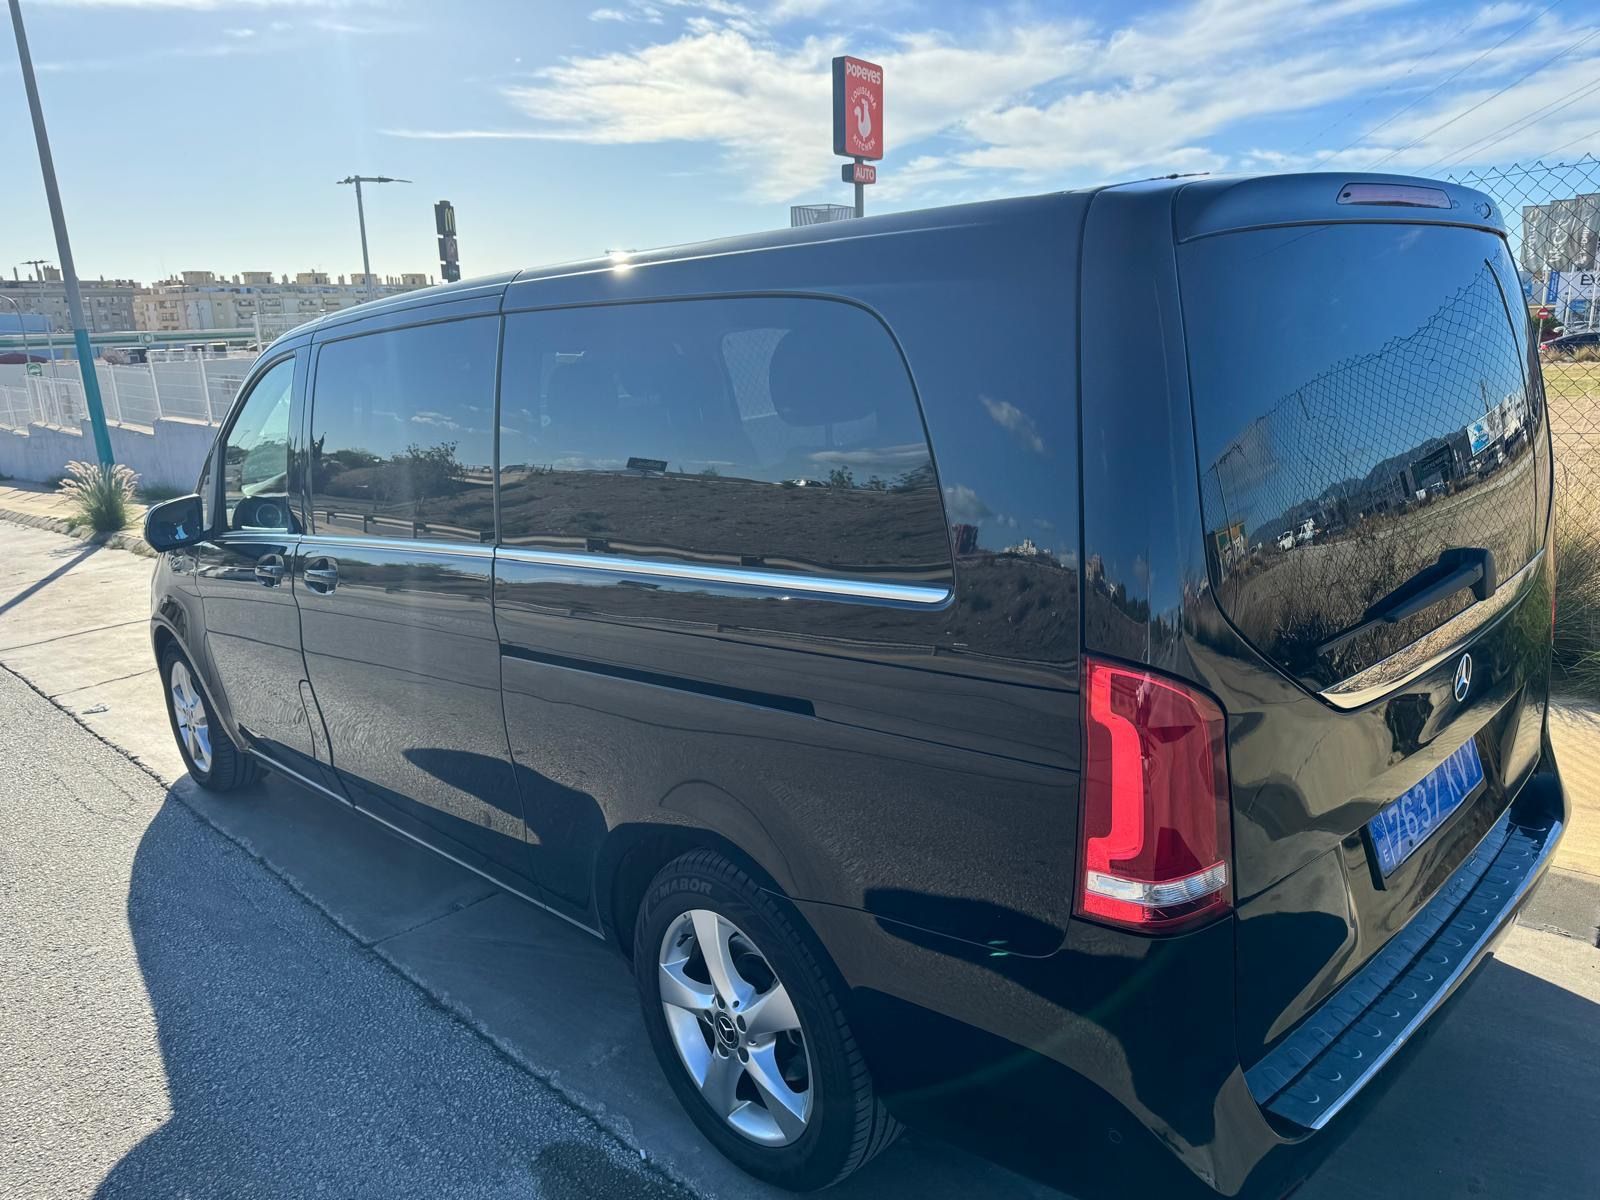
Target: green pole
[[69, 273]]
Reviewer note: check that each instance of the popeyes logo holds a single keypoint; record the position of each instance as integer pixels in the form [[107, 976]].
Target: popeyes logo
[[857, 108]]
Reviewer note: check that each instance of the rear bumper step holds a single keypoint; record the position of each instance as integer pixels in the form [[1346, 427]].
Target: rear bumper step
[[1325, 1062]]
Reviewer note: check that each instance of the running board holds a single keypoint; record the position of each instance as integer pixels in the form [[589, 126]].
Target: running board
[[1325, 1062]]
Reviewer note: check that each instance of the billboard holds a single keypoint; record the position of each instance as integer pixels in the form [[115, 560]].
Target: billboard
[[857, 108], [1562, 235]]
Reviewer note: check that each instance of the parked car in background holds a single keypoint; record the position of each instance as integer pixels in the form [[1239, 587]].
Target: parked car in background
[[1568, 344], [979, 789]]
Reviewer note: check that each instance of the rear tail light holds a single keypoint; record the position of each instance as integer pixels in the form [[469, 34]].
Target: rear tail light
[[1157, 833]]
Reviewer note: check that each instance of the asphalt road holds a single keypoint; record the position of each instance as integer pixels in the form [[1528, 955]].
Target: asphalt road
[[177, 1022]]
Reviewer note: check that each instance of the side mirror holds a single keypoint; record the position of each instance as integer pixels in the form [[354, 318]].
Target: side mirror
[[174, 524]]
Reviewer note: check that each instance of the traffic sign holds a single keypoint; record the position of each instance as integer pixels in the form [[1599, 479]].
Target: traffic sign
[[857, 108], [35, 368], [858, 172]]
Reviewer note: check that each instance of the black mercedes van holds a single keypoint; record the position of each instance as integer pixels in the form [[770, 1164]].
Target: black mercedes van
[[1067, 672]]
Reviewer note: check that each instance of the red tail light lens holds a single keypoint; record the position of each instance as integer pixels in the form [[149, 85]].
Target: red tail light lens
[[1157, 832]]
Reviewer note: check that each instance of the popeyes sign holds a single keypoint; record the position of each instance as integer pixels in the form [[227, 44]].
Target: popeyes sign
[[857, 108]]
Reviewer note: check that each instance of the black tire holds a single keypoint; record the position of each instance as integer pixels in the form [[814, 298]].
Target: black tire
[[231, 768], [848, 1125]]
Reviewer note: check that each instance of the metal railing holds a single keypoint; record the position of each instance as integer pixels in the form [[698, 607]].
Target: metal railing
[[194, 388]]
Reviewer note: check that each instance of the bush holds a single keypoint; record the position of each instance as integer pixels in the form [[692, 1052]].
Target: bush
[[1577, 638], [102, 494]]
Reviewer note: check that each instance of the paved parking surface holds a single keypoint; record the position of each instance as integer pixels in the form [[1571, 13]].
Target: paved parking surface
[[269, 995]]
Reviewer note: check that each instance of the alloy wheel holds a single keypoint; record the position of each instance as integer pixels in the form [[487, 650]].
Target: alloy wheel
[[189, 712], [735, 1028]]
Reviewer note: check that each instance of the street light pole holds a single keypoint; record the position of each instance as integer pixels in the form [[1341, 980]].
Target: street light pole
[[361, 216], [22, 326], [69, 273], [38, 265]]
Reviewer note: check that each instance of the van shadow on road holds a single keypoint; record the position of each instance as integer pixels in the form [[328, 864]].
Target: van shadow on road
[[298, 1062]]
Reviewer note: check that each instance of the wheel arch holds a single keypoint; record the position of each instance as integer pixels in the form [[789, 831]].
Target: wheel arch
[[164, 634], [632, 855]]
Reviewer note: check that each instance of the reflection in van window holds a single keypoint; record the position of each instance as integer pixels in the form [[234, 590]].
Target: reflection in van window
[[402, 433], [1362, 406], [776, 433], [255, 457]]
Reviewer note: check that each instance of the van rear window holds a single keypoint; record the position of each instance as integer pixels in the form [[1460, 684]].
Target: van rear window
[[1361, 405]]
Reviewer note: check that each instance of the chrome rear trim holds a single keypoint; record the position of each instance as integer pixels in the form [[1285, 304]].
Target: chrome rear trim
[[1321, 1066], [1428, 651]]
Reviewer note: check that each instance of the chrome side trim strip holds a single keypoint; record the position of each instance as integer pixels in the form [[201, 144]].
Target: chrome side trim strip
[[420, 545], [773, 581], [273, 764], [1431, 649]]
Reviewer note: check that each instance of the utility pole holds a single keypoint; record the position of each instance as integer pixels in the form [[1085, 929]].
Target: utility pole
[[361, 214], [69, 273]]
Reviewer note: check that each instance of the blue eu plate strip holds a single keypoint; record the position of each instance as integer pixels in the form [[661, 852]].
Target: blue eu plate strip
[[1404, 825]]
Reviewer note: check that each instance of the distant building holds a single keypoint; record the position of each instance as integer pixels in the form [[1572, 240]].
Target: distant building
[[107, 303], [198, 300]]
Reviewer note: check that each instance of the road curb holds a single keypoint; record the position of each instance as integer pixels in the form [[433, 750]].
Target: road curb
[[120, 539]]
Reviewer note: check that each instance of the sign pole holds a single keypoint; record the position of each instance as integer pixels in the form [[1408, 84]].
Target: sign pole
[[69, 273], [861, 193]]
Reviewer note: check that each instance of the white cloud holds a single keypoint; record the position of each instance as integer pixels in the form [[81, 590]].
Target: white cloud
[[609, 14], [963, 505], [1014, 421], [240, 33], [1000, 104]]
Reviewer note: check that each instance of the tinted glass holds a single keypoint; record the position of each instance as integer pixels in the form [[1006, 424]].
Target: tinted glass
[[776, 433], [1361, 405], [402, 441], [255, 457]]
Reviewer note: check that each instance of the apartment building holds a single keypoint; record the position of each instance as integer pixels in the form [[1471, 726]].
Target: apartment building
[[202, 300], [107, 303]]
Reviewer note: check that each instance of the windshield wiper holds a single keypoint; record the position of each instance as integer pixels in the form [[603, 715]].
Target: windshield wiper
[[1457, 568]]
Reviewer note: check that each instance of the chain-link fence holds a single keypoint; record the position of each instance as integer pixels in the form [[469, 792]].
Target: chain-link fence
[[1553, 213]]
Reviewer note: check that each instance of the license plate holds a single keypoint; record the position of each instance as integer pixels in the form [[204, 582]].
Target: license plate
[[1404, 825]]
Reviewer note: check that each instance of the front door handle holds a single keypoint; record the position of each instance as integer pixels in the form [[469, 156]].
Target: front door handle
[[321, 575], [269, 569]]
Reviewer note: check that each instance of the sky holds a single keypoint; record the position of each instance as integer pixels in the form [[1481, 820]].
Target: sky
[[208, 134]]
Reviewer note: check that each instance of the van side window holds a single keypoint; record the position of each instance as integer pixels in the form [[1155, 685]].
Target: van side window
[[765, 432], [402, 433], [255, 454]]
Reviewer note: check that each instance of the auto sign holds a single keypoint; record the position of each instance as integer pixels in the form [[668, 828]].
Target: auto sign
[[857, 108]]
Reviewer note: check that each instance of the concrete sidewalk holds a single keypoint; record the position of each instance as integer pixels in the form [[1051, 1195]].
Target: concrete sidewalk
[[73, 622], [40, 507]]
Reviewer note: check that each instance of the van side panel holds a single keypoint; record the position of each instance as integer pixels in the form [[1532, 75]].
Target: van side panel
[[916, 763], [1142, 539]]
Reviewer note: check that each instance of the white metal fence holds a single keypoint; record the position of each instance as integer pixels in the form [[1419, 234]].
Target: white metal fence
[[196, 388]]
